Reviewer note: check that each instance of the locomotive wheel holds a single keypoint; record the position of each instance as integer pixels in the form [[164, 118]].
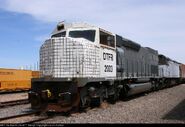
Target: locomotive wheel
[[123, 94], [87, 104], [96, 102], [73, 107], [112, 99], [50, 114], [76, 104], [157, 88], [36, 101]]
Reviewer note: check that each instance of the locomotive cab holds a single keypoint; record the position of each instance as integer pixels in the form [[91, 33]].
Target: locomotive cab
[[81, 32], [84, 31]]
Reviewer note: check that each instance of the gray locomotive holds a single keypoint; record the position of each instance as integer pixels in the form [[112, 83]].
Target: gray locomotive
[[83, 65]]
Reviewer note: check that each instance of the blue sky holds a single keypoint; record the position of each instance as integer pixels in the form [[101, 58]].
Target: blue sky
[[25, 24]]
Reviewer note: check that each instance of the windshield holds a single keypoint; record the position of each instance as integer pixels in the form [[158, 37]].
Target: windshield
[[62, 34], [87, 34]]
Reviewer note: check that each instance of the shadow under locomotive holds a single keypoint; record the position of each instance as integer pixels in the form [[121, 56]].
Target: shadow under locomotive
[[177, 113]]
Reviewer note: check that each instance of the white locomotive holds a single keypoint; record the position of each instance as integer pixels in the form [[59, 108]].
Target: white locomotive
[[82, 65]]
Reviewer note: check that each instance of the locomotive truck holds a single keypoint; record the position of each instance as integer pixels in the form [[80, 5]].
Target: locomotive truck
[[82, 65]]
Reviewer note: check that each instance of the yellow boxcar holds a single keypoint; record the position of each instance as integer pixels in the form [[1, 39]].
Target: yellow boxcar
[[14, 79]]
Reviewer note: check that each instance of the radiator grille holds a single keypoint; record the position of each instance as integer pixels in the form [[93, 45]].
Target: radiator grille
[[65, 57]]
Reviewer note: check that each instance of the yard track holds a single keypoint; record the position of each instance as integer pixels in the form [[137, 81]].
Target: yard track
[[14, 102], [29, 114]]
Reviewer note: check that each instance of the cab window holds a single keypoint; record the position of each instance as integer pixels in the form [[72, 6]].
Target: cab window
[[62, 34], [87, 34], [107, 39]]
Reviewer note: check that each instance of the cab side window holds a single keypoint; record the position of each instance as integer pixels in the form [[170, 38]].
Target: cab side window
[[107, 39]]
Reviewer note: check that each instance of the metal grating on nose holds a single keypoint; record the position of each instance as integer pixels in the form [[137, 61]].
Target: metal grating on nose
[[66, 57]]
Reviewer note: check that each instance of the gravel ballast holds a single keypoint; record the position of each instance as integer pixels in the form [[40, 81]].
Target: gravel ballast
[[164, 106], [13, 96], [14, 110]]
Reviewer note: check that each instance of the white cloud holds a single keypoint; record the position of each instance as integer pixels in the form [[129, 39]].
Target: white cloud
[[159, 24]]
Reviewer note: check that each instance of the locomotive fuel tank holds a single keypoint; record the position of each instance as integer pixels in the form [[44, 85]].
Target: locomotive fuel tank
[[139, 88]]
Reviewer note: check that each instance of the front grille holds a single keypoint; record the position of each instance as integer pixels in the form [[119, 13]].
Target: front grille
[[65, 57]]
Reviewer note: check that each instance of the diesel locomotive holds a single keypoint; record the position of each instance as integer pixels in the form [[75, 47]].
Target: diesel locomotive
[[82, 65]]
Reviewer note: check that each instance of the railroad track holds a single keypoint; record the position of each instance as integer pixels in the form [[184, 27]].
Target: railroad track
[[34, 114], [37, 120], [12, 103], [4, 92], [30, 114], [16, 116]]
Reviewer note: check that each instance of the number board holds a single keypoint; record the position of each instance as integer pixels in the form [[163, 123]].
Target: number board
[[108, 63]]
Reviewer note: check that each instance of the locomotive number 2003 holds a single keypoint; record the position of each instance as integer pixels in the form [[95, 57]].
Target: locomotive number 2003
[[108, 68]]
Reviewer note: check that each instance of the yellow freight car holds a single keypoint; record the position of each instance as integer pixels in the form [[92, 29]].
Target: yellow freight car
[[13, 79]]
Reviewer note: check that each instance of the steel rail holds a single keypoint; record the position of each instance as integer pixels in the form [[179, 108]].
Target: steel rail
[[38, 120], [17, 116], [12, 103]]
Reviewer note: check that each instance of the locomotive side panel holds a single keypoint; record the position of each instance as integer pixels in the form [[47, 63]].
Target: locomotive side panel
[[108, 63], [152, 62], [136, 61], [174, 69], [168, 68], [169, 72]]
